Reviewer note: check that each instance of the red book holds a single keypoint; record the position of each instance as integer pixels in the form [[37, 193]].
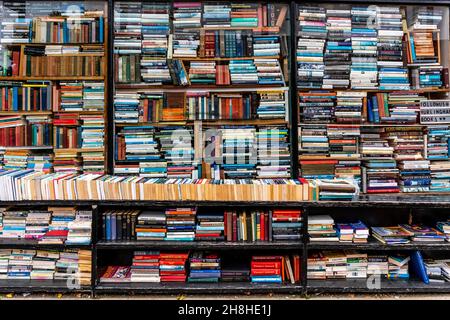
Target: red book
[[265, 272], [265, 265]]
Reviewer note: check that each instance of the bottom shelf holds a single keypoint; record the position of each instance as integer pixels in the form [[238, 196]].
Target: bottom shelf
[[386, 286], [176, 288], [25, 286]]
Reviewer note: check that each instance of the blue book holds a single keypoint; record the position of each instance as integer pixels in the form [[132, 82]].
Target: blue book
[[418, 266], [113, 226], [101, 29], [108, 226]]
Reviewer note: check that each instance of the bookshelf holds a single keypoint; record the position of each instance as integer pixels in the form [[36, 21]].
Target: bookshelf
[[54, 64], [359, 90], [226, 68]]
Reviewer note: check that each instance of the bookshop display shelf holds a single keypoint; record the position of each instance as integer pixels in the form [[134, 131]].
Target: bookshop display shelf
[[198, 288], [201, 245], [33, 244], [41, 286], [374, 244], [365, 286]]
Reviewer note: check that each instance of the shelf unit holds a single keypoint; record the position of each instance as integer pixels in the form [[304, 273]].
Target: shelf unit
[[56, 80]]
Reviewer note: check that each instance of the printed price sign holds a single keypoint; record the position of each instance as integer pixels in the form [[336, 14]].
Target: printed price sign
[[435, 112]]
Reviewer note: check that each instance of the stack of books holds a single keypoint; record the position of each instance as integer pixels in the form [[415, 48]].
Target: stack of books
[[349, 106], [272, 105], [92, 137], [238, 152], [15, 25], [312, 35], [210, 226], [437, 142], [180, 224], [244, 15], [438, 271], [202, 72], [414, 175], [155, 29], [273, 153], [286, 224], [186, 16], [155, 71], [398, 267], [335, 189], [216, 15], [313, 142], [151, 225], [127, 40], [356, 265], [377, 265], [80, 229], [231, 272], [352, 232], [243, 72], [37, 224], [338, 49], [126, 107], [336, 264], [14, 224], [4, 261], [343, 141], [266, 269], [177, 147], [440, 176], [40, 162], [394, 107], [44, 265], [444, 227], [204, 267], [93, 96], [316, 266], [145, 267], [75, 262], [20, 264], [391, 235], [422, 233], [269, 72], [363, 74], [59, 227], [266, 45], [321, 228], [392, 75], [317, 107], [172, 266]]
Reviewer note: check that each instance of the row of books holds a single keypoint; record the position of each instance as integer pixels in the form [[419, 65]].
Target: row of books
[[194, 267], [95, 186], [186, 224], [325, 265], [28, 22], [56, 225], [43, 96], [228, 151], [198, 105], [363, 47], [396, 107], [323, 228], [54, 61], [68, 265], [156, 71]]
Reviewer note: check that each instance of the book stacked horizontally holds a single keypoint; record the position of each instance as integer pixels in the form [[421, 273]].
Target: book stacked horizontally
[[398, 267], [180, 224], [356, 265], [204, 267], [336, 264], [444, 227], [422, 233], [286, 224], [266, 269], [151, 225], [235, 272], [352, 232], [321, 228], [210, 226], [316, 267], [59, 226], [391, 235], [172, 266], [145, 267], [273, 152], [80, 229]]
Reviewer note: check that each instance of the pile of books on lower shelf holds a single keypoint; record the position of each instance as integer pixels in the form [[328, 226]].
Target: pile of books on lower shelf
[[73, 266], [92, 186], [56, 225], [438, 270], [325, 265], [198, 266]]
